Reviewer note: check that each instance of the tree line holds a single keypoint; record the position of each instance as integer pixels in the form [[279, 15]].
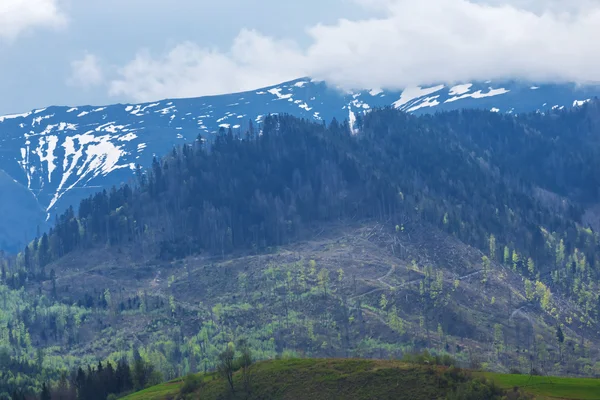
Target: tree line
[[94, 382]]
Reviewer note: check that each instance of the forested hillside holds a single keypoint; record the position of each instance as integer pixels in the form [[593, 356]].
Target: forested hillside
[[467, 232]]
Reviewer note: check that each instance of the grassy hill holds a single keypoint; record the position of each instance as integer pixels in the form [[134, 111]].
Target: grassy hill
[[354, 379], [544, 387]]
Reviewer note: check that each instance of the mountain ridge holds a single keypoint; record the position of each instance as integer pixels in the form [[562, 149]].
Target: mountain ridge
[[63, 154]]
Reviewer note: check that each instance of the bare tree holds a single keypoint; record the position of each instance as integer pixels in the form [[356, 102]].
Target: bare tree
[[226, 366]]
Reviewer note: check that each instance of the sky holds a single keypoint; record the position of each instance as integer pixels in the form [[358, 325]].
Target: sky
[[74, 52]]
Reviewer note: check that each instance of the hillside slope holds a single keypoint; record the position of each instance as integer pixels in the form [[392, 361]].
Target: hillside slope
[[358, 290], [461, 232], [64, 154]]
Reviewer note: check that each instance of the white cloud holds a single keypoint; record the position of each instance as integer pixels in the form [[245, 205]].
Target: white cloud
[[17, 16], [188, 70], [86, 73], [410, 42]]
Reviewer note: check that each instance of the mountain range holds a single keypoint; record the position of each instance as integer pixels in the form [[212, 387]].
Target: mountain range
[[53, 157]]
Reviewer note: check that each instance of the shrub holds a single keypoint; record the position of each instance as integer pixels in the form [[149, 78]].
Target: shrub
[[191, 383], [426, 358], [477, 389], [514, 371]]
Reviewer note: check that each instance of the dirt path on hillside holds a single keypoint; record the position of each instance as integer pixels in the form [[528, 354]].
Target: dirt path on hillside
[[392, 269]]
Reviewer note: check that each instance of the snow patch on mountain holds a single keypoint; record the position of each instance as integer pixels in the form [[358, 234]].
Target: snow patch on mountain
[[411, 94], [479, 94], [427, 102], [579, 103], [13, 116], [460, 89]]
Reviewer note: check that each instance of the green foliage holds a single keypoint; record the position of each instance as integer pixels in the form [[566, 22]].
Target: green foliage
[[486, 268], [426, 358], [477, 389], [383, 302], [191, 384], [548, 387]]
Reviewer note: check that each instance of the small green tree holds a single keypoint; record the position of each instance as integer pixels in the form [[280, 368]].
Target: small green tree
[[529, 290], [323, 279], [515, 259], [486, 269], [530, 266], [383, 302]]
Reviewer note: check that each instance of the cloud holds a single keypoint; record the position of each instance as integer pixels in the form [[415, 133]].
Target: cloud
[[187, 70], [409, 42], [18, 16], [86, 72]]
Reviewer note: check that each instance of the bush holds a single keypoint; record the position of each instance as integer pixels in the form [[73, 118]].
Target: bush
[[477, 389], [454, 376], [514, 371], [426, 358], [191, 383], [516, 394], [482, 389]]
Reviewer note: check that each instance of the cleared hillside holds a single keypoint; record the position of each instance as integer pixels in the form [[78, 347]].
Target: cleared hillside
[[353, 289]]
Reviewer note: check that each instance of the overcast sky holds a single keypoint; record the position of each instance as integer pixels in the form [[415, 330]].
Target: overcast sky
[[71, 52]]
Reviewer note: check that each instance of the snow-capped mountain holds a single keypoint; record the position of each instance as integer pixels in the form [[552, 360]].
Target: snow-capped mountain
[[59, 155]]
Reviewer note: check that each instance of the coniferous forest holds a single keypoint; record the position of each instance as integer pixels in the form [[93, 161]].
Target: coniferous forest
[[523, 191]]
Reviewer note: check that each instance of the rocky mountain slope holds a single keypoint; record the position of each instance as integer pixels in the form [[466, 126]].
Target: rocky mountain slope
[[59, 155]]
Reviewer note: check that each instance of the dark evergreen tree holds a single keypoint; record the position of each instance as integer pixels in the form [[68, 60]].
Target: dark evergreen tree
[[45, 395]]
